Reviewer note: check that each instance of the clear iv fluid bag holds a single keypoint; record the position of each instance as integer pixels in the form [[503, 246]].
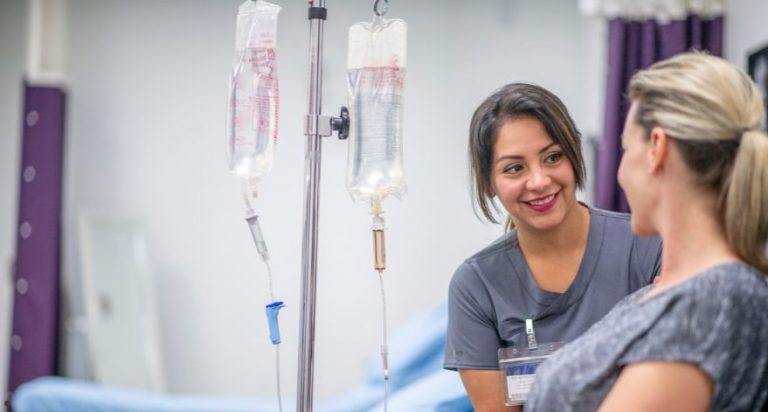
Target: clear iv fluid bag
[[374, 166], [375, 79], [254, 95]]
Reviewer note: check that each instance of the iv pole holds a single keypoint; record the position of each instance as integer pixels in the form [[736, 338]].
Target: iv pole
[[311, 203], [315, 126]]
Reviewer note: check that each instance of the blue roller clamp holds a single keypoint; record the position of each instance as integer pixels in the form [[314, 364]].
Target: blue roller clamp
[[272, 312]]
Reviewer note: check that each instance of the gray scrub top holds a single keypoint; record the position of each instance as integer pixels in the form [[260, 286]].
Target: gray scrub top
[[493, 292]]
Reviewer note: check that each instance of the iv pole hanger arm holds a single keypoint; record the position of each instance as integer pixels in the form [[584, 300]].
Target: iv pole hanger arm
[[326, 125]]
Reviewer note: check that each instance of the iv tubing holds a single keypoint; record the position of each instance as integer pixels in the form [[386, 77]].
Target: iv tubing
[[271, 289], [277, 373], [277, 346], [249, 195], [265, 259], [379, 265], [384, 349]]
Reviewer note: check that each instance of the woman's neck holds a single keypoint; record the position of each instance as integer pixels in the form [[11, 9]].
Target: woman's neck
[[693, 240], [573, 232]]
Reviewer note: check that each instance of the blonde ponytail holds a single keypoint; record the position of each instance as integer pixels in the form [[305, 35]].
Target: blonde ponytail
[[746, 200]]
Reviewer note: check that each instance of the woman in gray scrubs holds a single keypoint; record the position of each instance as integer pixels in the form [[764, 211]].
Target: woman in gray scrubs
[[560, 266], [695, 171]]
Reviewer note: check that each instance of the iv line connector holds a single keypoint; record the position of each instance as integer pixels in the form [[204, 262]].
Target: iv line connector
[[379, 251], [258, 237]]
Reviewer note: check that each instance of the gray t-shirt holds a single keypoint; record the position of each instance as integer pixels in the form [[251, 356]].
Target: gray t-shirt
[[717, 320], [493, 292]]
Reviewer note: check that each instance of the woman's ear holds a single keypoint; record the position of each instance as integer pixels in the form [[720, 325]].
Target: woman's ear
[[658, 149]]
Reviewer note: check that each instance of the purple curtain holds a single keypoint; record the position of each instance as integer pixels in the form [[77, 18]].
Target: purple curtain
[[34, 335], [635, 45]]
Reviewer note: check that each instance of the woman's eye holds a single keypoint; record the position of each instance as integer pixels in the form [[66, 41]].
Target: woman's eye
[[553, 158], [515, 168]]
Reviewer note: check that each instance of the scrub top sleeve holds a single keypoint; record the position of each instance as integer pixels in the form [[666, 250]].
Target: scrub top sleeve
[[472, 340]]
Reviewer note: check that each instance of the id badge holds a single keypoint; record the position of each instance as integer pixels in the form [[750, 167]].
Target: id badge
[[518, 366]]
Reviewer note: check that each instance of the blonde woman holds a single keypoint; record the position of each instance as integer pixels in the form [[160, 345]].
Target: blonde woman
[[695, 171]]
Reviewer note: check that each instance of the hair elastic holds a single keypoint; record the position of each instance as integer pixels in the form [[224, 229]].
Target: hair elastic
[[741, 134]]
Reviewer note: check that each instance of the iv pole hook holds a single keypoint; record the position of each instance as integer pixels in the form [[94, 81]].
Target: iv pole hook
[[384, 9]]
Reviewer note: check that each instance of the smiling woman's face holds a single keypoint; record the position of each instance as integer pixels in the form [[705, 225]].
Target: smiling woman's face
[[531, 176]]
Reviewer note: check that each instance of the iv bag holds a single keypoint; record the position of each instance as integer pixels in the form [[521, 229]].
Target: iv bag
[[375, 78], [252, 109]]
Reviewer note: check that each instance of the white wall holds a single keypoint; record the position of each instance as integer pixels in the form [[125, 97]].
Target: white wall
[[745, 29], [147, 86], [13, 16]]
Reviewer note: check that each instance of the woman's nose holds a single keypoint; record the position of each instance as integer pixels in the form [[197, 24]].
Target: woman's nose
[[538, 180]]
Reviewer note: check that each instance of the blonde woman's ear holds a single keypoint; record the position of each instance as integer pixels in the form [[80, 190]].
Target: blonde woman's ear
[[657, 152]]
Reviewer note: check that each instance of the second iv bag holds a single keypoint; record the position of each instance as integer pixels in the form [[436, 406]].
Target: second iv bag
[[376, 64], [252, 109]]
